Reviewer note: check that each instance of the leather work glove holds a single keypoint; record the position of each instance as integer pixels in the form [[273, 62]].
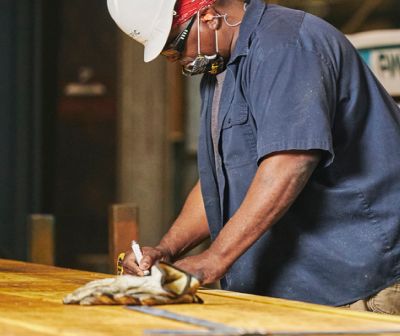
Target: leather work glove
[[165, 285]]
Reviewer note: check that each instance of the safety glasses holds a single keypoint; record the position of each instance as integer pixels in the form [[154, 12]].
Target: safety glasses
[[177, 46]]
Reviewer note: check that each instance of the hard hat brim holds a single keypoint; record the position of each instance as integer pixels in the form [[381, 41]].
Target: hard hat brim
[[159, 36]]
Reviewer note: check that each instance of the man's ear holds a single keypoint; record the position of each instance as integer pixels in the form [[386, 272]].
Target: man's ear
[[211, 17]]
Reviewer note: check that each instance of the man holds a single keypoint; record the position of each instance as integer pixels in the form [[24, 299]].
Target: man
[[299, 154]]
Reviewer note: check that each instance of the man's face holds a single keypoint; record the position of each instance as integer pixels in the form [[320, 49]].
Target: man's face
[[191, 47], [177, 40]]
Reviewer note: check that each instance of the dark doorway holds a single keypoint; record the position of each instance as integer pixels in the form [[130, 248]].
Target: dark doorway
[[84, 179]]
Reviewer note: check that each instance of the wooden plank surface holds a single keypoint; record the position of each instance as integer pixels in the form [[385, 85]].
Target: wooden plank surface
[[31, 295]]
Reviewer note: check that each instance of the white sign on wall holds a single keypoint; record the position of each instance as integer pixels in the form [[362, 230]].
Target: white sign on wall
[[381, 51], [385, 63]]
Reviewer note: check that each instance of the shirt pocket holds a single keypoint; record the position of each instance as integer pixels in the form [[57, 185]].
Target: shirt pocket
[[237, 142]]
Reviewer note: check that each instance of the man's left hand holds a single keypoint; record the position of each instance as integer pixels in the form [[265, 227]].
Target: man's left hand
[[206, 267]]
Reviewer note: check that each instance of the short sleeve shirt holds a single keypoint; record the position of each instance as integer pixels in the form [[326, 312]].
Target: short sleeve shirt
[[295, 83]]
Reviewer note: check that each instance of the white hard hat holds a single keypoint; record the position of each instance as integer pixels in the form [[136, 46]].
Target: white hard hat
[[146, 21]]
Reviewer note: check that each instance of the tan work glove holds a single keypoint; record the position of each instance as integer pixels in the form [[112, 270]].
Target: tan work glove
[[165, 285]]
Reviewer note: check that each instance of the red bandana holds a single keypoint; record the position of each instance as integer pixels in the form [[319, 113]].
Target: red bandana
[[185, 9]]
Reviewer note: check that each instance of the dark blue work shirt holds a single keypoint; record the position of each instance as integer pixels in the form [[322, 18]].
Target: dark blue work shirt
[[295, 83]]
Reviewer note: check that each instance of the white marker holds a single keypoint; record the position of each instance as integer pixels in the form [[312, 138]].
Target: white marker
[[138, 254]]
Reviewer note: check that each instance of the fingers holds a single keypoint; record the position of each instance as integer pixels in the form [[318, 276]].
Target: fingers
[[203, 266], [130, 266], [150, 257], [186, 265], [146, 262]]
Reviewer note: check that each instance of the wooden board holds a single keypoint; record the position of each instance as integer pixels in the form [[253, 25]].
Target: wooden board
[[41, 239], [31, 295]]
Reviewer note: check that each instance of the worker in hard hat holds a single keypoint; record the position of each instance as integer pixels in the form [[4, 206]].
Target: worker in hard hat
[[299, 154]]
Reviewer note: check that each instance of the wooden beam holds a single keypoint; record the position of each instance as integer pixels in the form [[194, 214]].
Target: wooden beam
[[144, 149], [123, 228], [41, 239], [360, 16], [174, 102]]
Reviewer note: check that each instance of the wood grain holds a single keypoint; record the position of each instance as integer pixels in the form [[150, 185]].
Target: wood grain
[[31, 304]]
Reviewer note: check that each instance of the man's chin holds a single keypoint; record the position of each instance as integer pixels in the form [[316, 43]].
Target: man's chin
[[185, 61]]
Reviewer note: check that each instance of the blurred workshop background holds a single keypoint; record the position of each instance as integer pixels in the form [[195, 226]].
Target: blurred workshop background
[[85, 124]]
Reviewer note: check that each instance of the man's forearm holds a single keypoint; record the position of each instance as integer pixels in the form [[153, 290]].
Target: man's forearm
[[190, 228], [277, 183]]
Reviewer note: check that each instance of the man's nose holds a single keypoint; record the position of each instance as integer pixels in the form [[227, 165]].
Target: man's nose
[[172, 58]]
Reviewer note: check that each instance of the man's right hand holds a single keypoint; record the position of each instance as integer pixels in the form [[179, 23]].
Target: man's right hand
[[188, 230], [150, 256]]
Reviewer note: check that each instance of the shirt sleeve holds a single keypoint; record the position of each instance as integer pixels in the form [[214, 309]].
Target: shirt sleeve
[[293, 94]]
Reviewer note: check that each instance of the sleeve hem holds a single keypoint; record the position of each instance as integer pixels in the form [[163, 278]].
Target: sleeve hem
[[274, 147]]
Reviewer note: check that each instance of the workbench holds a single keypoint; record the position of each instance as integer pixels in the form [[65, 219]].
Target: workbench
[[31, 304]]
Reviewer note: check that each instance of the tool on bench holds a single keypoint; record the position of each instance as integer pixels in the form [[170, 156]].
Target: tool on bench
[[219, 329], [213, 328]]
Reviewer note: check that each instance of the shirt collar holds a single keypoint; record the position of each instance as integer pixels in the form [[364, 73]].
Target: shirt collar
[[254, 11]]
